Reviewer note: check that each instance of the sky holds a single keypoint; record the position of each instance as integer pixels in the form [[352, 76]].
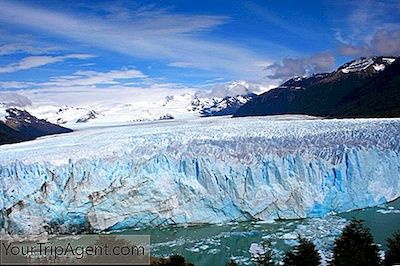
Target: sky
[[122, 45]]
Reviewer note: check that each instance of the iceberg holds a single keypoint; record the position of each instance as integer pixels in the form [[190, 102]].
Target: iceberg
[[209, 170]]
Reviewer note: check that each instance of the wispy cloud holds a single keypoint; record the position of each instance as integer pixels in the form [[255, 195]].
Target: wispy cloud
[[181, 64], [91, 79], [150, 34], [8, 49], [5, 85], [37, 61]]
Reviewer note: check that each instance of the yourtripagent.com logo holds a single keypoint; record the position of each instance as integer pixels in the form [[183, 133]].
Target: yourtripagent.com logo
[[85, 249]]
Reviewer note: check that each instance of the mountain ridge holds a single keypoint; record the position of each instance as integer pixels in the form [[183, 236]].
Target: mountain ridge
[[18, 125], [334, 94]]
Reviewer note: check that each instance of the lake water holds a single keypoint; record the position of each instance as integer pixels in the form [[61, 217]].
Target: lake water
[[217, 244]]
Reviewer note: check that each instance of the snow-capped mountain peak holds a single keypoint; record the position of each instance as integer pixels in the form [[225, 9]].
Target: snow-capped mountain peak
[[223, 99], [374, 63], [227, 105], [65, 114]]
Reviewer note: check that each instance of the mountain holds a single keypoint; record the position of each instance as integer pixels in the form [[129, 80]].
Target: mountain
[[113, 112], [224, 99], [75, 114], [18, 125], [227, 106], [220, 106], [366, 87], [63, 114]]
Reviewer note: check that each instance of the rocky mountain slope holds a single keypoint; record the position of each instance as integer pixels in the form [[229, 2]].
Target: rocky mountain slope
[[18, 125], [367, 87]]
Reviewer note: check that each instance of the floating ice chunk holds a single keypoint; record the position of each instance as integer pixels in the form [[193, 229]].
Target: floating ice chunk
[[290, 236], [388, 211], [256, 250]]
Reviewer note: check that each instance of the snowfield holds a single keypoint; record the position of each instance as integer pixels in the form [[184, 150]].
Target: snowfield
[[208, 170]]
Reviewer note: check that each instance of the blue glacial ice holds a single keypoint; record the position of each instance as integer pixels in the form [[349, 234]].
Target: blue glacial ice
[[212, 170]]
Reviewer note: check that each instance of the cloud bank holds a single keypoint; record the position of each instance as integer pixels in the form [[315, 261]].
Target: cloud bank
[[14, 99], [384, 42], [234, 88], [290, 67]]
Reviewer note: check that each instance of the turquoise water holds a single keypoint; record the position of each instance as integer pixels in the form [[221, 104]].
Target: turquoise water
[[382, 220], [217, 244]]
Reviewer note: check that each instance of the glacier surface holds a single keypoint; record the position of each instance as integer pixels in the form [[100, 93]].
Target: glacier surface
[[208, 170]]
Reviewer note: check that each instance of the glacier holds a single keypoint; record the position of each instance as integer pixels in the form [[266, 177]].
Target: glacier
[[209, 170]]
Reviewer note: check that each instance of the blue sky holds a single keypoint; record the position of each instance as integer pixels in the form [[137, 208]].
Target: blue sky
[[99, 44]]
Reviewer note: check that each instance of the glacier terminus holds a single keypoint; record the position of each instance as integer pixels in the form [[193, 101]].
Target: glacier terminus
[[209, 170]]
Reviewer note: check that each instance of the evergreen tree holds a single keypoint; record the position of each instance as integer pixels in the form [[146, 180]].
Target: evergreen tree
[[304, 253], [392, 255], [355, 246]]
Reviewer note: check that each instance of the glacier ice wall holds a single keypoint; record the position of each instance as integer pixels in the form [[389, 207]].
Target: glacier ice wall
[[214, 171]]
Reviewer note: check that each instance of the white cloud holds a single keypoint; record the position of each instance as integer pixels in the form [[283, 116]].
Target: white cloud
[[290, 67], [370, 28], [89, 96], [14, 99], [383, 42], [84, 89], [15, 84], [148, 34], [233, 88], [39, 60], [84, 78], [93, 78]]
